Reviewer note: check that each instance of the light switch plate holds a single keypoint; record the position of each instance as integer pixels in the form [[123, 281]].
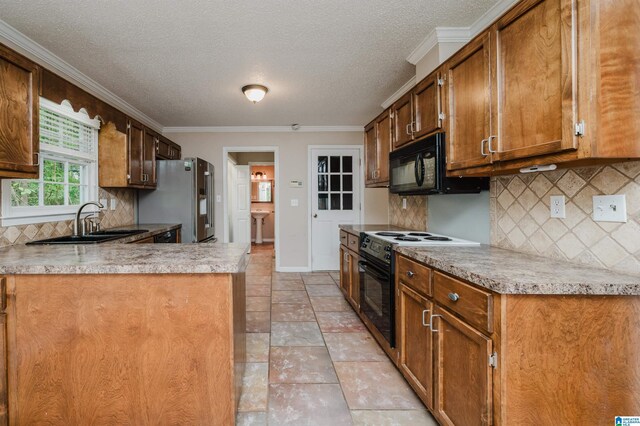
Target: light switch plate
[[404, 203], [218, 198], [610, 208], [114, 203], [557, 207], [294, 202]]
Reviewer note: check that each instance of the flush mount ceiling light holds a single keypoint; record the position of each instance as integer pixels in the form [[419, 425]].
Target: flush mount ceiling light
[[255, 92]]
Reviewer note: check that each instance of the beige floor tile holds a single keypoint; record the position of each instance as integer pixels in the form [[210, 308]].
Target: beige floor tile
[[289, 297], [255, 387], [287, 276], [260, 279], [315, 274], [288, 285], [284, 312], [375, 386], [392, 418], [301, 365], [258, 289], [318, 280], [340, 322], [258, 322], [307, 405], [252, 419], [330, 304], [353, 347], [296, 334], [323, 290], [335, 275], [258, 303], [258, 347]]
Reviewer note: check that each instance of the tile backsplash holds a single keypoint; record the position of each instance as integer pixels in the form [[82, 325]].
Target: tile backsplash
[[122, 215], [413, 217], [520, 219]]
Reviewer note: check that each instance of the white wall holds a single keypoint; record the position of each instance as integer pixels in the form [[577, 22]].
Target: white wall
[[293, 233]]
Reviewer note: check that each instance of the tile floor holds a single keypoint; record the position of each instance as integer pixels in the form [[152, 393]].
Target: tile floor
[[311, 361]]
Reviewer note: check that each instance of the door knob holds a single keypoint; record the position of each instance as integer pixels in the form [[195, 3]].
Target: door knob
[[315, 215]]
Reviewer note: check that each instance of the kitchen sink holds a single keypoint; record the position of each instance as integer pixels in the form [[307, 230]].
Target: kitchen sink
[[93, 238]]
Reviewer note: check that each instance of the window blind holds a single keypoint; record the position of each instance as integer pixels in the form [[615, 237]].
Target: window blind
[[59, 131]]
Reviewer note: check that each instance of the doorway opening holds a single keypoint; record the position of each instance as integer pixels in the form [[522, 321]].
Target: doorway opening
[[250, 197]]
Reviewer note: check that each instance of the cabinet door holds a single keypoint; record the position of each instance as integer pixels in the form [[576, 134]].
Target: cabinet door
[[354, 284], [384, 129], [469, 105], [534, 83], [402, 121], [427, 105], [416, 347], [149, 158], [136, 137], [163, 149], [19, 116], [370, 154], [463, 384], [345, 271]]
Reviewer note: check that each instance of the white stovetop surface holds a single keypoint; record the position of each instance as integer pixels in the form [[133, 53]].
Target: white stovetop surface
[[422, 239]]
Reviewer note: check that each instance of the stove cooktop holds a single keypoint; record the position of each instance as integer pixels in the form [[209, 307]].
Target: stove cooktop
[[420, 238]]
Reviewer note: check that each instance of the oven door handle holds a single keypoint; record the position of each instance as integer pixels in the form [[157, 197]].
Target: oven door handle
[[371, 272]]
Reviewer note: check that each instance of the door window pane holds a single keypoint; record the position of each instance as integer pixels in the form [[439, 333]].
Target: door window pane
[[323, 164], [335, 183], [335, 164], [323, 185], [347, 164], [347, 201], [347, 182], [323, 201], [335, 201]]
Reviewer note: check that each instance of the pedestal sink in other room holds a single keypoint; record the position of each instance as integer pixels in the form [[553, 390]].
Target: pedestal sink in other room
[[258, 215]]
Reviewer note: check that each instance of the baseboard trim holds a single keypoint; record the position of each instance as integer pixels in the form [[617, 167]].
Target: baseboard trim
[[265, 240]]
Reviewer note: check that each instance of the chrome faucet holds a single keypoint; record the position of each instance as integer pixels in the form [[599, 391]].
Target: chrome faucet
[[78, 226]]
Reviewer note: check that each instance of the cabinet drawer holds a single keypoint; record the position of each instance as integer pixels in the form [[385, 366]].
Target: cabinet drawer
[[471, 303], [414, 275], [354, 243], [344, 238]]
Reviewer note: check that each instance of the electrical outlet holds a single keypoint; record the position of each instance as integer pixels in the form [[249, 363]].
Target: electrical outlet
[[114, 203], [294, 202], [558, 207], [610, 208], [404, 203], [218, 198]]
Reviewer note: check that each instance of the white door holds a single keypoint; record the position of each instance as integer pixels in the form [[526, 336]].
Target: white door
[[335, 200], [240, 205]]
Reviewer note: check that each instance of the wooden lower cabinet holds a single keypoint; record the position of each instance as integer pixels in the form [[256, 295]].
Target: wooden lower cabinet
[[350, 277], [463, 376], [415, 341]]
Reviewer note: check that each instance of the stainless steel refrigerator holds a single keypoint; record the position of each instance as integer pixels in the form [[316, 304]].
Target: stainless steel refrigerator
[[184, 195]]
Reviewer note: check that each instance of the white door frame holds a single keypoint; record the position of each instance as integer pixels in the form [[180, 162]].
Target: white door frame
[[225, 208], [359, 179]]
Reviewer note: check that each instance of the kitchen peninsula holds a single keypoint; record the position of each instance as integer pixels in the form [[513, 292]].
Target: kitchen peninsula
[[122, 333]]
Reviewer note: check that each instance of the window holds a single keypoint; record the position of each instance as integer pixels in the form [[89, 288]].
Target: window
[[68, 169]]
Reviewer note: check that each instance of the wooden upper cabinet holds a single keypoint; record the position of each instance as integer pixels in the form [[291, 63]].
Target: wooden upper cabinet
[[534, 83], [167, 150], [427, 105], [469, 96], [136, 139], [370, 153], [151, 140], [384, 130], [19, 116], [402, 120]]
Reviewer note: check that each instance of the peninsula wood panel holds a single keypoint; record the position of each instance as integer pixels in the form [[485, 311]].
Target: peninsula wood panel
[[534, 80], [19, 115], [469, 98], [570, 360], [122, 349], [416, 342]]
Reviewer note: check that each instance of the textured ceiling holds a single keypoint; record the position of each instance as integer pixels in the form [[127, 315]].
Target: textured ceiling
[[183, 62]]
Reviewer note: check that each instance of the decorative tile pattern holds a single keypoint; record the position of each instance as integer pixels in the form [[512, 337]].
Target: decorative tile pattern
[[520, 215], [121, 216], [413, 217]]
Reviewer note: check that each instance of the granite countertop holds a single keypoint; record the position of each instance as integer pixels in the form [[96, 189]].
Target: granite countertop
[[510, 272], [357, 229], [116, 257]]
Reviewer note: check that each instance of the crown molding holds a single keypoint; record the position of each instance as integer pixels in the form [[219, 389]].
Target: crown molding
[[34, 51], [398, 93], [438, 35], [490, 16], [261, 129]]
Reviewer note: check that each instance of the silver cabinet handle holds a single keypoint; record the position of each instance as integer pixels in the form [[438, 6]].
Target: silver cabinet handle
[[454, 297], [484, 154], [424, 321], [406, 129], [410, 274], [435, 330], [491, 150]]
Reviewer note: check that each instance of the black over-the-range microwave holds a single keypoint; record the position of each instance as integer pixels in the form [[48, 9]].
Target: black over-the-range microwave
[[420, 169]]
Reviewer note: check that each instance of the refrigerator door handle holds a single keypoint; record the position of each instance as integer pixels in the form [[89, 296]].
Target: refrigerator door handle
[[209, 191]]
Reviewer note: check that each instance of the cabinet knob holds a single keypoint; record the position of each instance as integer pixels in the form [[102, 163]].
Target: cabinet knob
[[454, 297], [410, 274]]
